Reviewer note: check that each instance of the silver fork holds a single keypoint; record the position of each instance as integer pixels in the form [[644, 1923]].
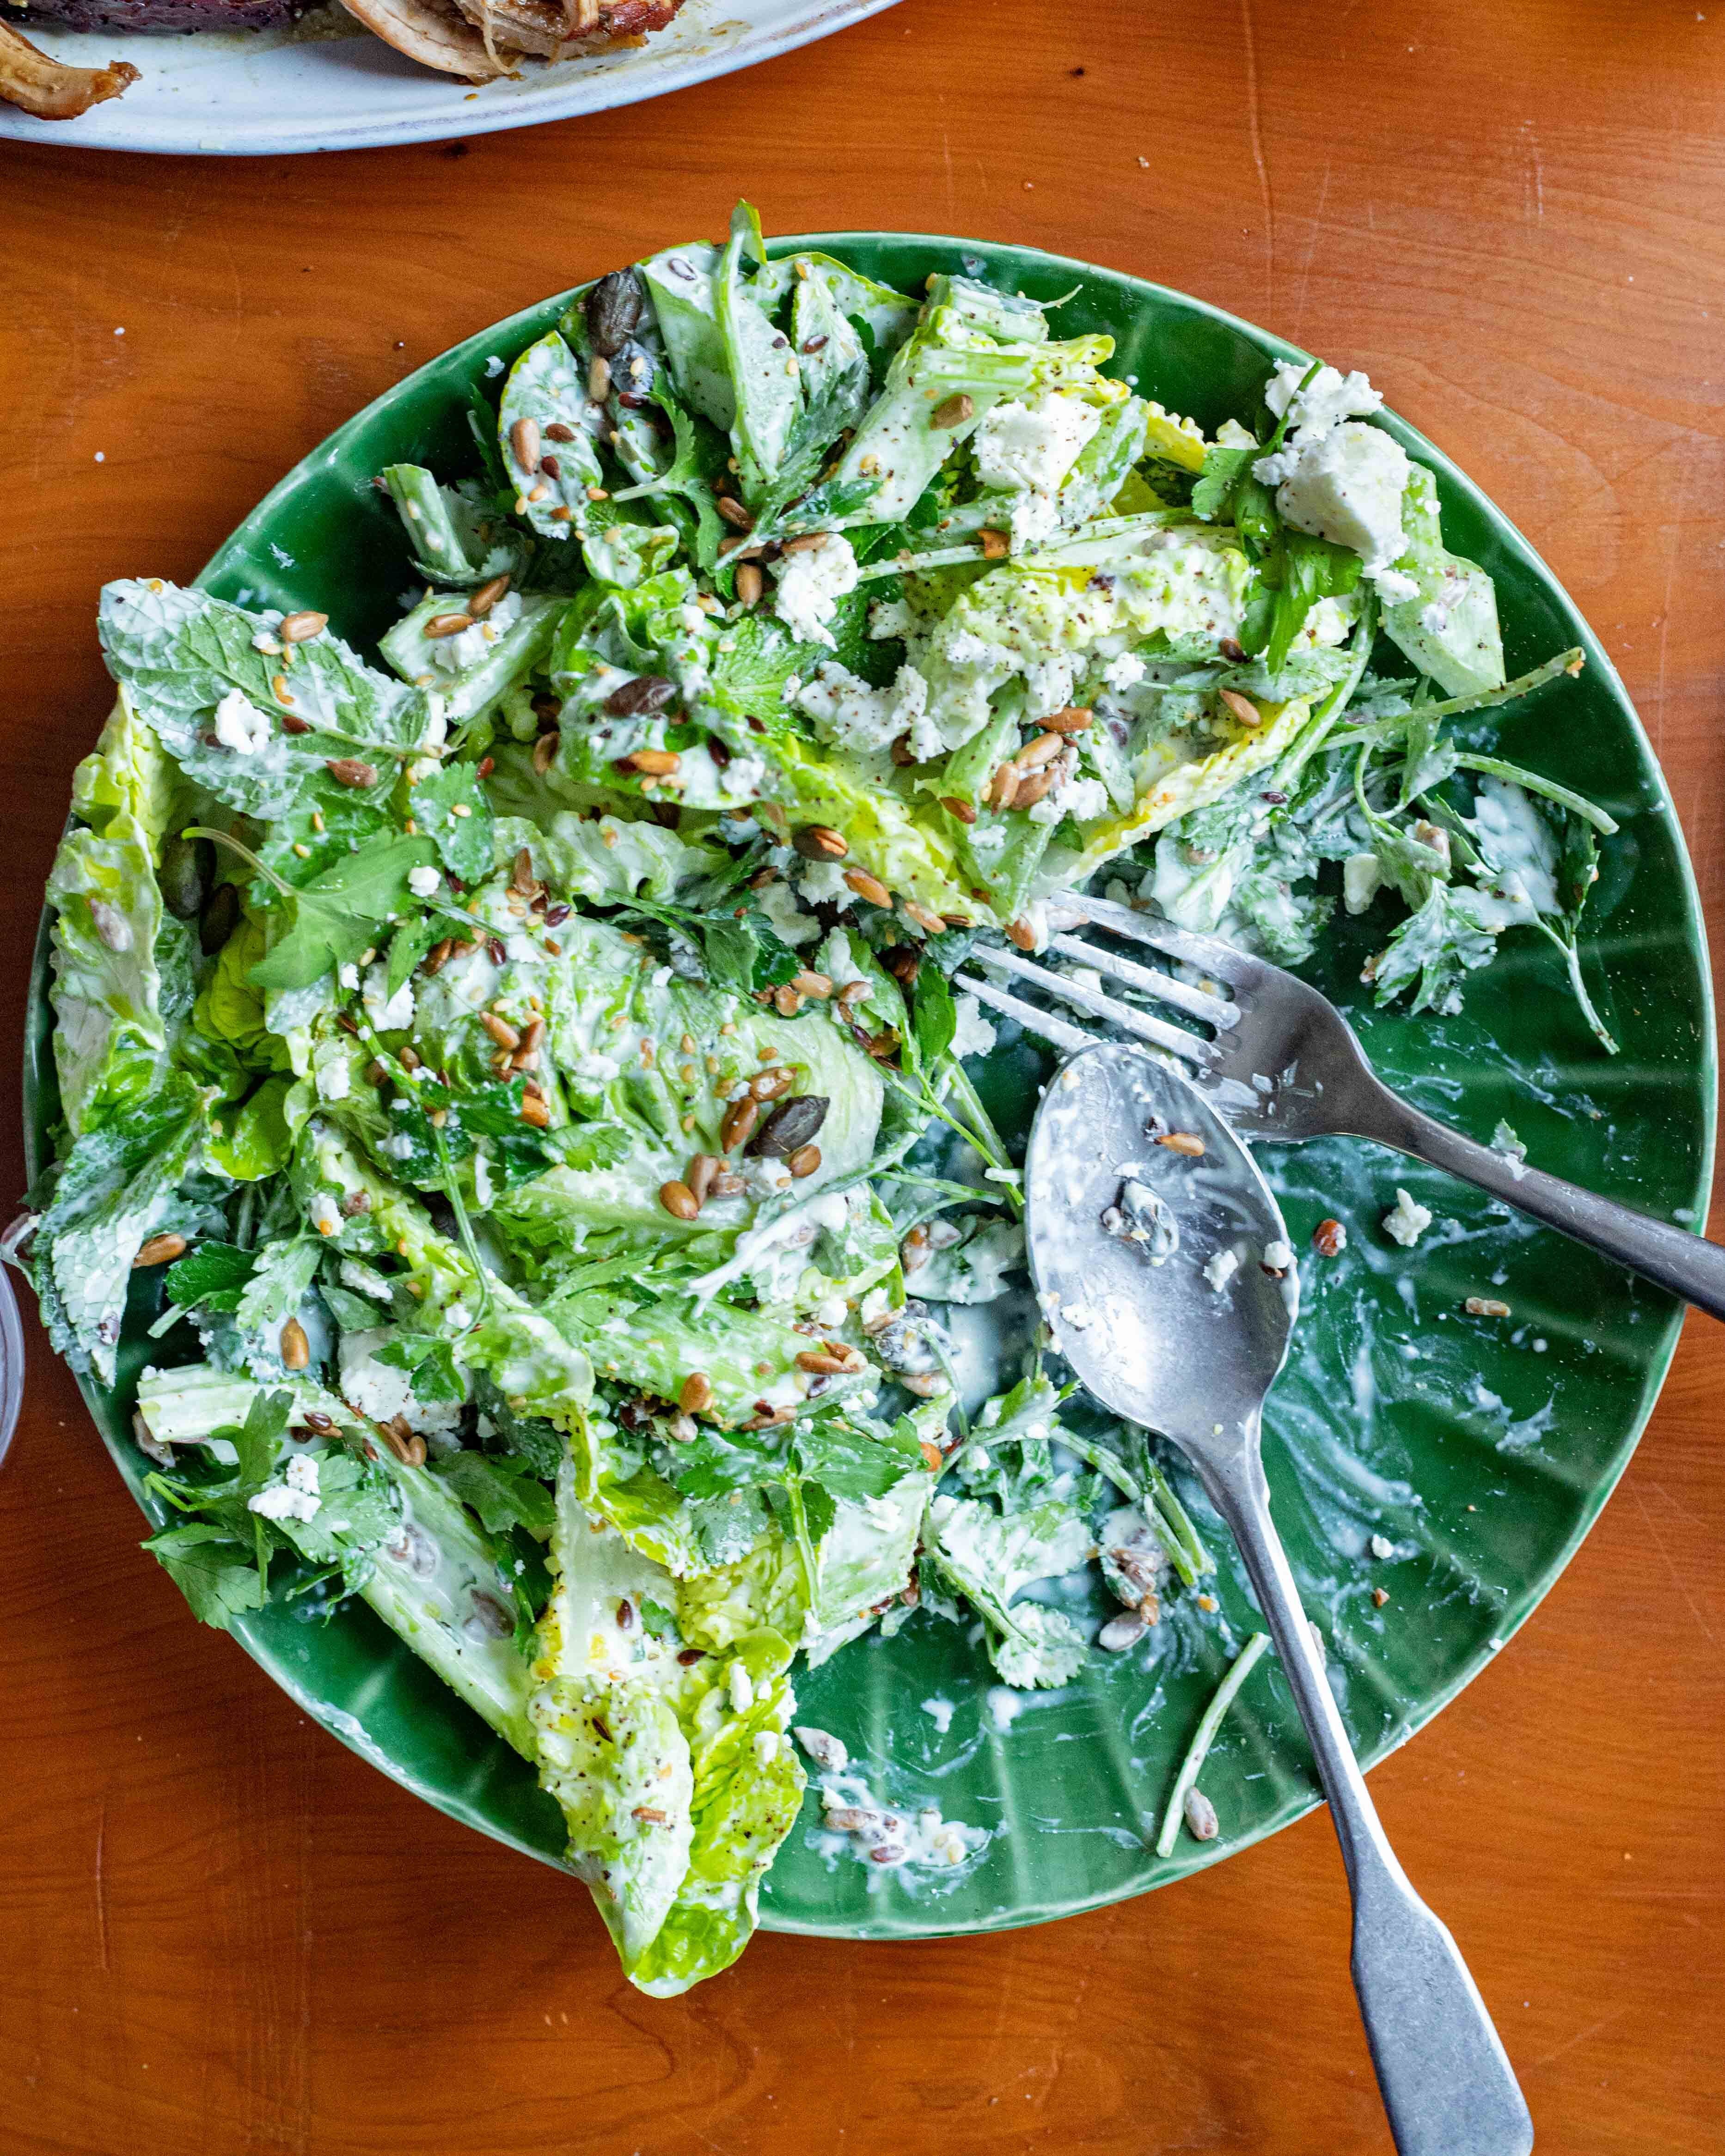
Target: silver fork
[[1284, 1065]]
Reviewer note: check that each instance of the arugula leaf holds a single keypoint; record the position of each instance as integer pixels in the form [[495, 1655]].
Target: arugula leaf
[[343, 912], [451, 808]]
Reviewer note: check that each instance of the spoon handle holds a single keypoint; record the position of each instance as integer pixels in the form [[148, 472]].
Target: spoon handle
[[1446, 2082]]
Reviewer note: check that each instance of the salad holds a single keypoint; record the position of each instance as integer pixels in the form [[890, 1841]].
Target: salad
[[512, 1081]]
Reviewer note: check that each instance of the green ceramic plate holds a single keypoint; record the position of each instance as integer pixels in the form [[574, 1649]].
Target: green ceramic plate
[[1483, 1451]]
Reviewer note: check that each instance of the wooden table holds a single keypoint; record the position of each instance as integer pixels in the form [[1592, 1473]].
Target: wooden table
[[221, 1932]]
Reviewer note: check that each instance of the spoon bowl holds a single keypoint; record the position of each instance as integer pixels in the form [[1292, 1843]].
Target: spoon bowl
[[1148, 1255]]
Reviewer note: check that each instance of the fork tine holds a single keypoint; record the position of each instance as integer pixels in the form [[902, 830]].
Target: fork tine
[[1208, 954], [1067, 1038], [1163, 986], [1155, 1030]]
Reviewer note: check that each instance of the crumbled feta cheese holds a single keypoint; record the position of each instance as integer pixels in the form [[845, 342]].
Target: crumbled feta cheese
[[1034, 445], [1231, 435], [778, 902], [973, 1035], [822, 883], [1277, 1257], [335, 1078], [324, 1213], [848, 714], [377, 1389], [389, 1013], [239, 725], [457, 1317], [294, 1498], [1407, 1222], [364, 1280], [1083, 799], [422, 882], [348, 976], [1221, 1269], [1362, 879], [1393, 586], [740, 1688], [1381, 1547], [811, 582], [1123, 672], [1035, 518], [1345, 486], [890, 618], [1327, 400], [1047, 685]]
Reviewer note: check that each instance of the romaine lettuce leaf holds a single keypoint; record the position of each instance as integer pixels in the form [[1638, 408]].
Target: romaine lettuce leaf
[[111, 1039]]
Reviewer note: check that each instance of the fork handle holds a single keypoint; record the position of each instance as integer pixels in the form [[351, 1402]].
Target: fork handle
[[1447, 2084], [1674, 1258]]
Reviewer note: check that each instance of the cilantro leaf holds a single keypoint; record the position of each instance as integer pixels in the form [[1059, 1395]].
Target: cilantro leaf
[[935, 1017], [343, 912], [430, 1362], [1213, 496]]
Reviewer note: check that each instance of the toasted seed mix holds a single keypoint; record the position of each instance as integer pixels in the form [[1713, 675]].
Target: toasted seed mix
[[159, 1250]]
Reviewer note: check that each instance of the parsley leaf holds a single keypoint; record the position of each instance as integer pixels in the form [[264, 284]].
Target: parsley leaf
[[210, 1277]]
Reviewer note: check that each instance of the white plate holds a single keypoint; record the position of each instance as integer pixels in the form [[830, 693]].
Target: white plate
[[335, 86]]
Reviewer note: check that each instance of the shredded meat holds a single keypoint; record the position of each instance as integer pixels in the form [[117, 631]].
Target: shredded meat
[[48, 89]]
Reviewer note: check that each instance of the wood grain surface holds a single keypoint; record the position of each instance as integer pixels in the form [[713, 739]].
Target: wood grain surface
[[219, 1930]]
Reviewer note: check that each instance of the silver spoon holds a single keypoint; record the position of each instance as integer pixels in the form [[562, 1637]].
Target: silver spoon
[[1158, 1344]]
